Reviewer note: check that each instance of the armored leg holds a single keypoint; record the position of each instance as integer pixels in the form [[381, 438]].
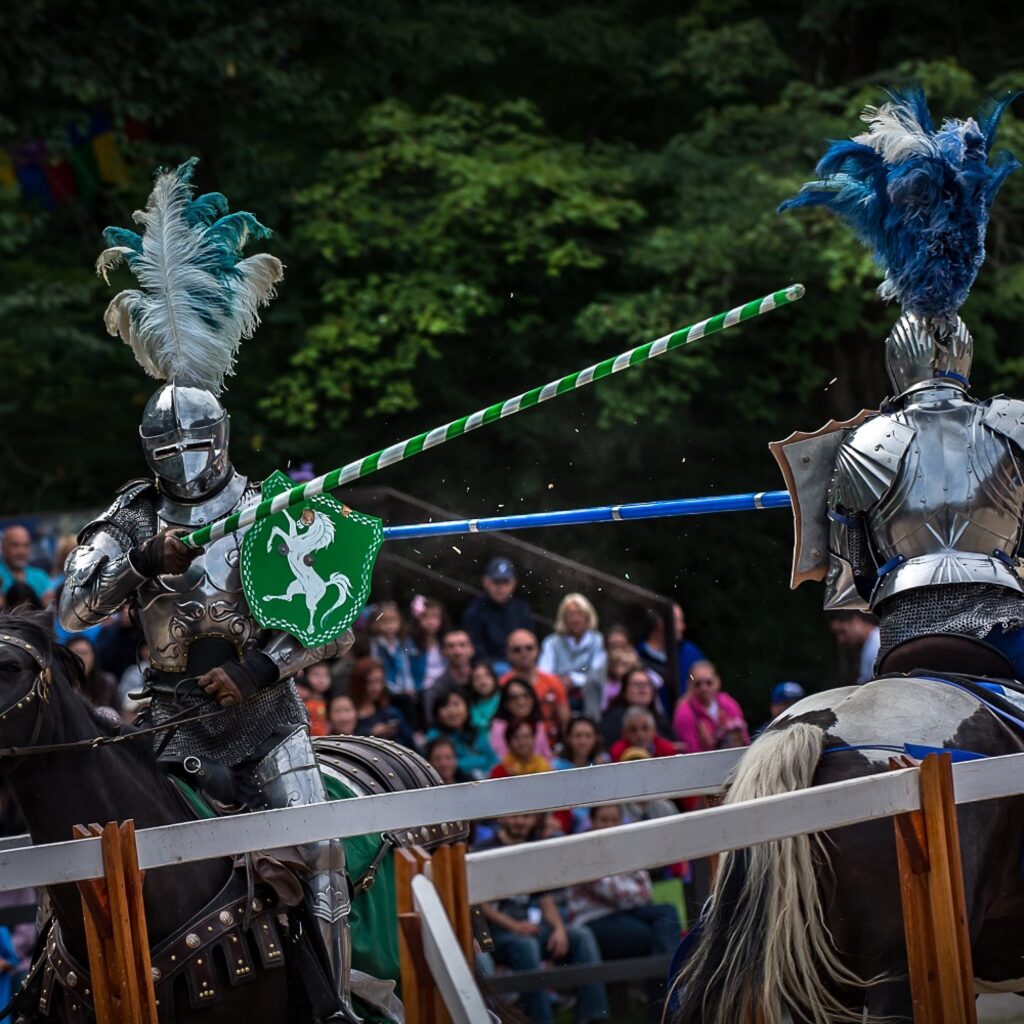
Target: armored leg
[[288, 777]]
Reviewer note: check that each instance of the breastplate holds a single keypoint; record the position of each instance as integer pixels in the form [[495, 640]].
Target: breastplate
[[953, 511], [205, 603]]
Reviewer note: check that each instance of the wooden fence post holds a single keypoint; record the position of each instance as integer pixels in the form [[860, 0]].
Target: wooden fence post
[[115, 930], [417, 987], [934, 907]]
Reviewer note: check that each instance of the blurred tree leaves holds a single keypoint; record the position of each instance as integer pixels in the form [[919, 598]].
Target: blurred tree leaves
[[472, 198]]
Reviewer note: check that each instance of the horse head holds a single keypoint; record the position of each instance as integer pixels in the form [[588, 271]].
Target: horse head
[[32, 667]]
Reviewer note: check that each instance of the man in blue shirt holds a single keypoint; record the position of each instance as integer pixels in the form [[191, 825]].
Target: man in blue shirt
[[653, 649], [15, 552], [490, 618]]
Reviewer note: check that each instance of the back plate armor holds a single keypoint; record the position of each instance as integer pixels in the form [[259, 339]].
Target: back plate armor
[[938, 488]]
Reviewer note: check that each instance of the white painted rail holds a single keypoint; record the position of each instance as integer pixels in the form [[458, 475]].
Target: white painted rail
[[683, 775], [496, 874], [677, 838]]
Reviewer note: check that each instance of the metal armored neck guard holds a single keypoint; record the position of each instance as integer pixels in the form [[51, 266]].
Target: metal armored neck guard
[[922, 349], [207, 509]]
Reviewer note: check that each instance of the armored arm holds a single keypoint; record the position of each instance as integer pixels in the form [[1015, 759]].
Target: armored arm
[[291, 657], [99, 577], [851, 569]]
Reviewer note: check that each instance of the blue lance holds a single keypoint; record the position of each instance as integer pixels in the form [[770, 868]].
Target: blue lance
[[601, 514]]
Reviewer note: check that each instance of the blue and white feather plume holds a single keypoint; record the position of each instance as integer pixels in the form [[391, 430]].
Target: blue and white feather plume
[[198, 298], [917, 197]]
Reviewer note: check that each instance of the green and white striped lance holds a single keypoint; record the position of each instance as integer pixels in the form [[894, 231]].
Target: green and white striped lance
[[421, 442]]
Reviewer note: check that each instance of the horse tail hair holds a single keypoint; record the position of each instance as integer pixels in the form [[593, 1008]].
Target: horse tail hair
[[763, 945]]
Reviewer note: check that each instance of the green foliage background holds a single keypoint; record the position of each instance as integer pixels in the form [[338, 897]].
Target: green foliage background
[[473, 198]]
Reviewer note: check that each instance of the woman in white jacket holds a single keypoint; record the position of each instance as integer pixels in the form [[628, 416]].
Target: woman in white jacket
[[575, 653]]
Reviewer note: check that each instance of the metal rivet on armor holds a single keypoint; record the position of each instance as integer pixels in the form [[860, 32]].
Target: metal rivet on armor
[[199, 961], [72, 979], [193, 941], [157, 974], [444, 828], [806, 459], [409, 836], [225, 917], [173, 957], [257, 905]]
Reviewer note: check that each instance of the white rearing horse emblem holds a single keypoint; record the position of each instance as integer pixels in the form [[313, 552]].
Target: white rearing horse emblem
[[313, 531]]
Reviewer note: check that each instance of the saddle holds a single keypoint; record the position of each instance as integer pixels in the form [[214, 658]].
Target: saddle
[[939, 652]]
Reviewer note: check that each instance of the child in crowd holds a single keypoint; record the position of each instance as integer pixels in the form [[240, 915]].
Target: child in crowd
[[443, 758], [450, 713], [313, 685], [429, 624], [581, 749], [484, 696], [388, 646], [376, 716], [342, 715]]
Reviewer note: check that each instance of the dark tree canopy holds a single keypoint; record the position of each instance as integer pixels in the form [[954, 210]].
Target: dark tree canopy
[[473, 198]]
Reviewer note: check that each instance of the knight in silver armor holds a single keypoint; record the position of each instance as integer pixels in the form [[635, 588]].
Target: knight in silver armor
[[916, 512], [926, 501], [205, 645]]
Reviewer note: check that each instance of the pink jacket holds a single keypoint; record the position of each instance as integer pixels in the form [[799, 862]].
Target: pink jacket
[[698, 731]]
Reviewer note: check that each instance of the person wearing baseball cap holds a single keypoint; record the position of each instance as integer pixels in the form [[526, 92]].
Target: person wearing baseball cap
[[784, 695], [497, 612]]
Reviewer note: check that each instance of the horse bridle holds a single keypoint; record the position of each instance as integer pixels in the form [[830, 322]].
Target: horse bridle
[[38, 691]]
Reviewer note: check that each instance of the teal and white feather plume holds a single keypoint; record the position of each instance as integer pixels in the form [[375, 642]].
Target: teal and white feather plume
[[198, 297]]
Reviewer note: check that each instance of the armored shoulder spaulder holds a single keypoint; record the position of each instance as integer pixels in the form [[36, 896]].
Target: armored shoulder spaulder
[[869, 459], [1005, 416], [131, 517]]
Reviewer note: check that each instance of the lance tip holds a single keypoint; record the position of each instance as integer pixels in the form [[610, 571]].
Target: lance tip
[[795, 291]]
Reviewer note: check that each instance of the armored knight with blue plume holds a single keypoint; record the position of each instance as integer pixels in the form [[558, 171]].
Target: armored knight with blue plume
[[915, 512], [197, 299]]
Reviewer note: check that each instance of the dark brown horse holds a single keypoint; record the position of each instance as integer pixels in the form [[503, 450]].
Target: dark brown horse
[[813, 925]]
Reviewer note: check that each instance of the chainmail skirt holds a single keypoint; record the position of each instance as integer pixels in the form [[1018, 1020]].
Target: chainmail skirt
[[234, 735]]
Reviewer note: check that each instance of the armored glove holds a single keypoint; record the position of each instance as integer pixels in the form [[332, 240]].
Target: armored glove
[[163, 555], [234, 681]]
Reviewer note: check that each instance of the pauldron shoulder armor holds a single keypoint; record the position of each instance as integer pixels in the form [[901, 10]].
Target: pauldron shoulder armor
[[1005, 416], [868, 461], [131, 517]]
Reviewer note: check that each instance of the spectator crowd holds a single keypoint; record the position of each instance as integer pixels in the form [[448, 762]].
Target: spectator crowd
[[487, 696]]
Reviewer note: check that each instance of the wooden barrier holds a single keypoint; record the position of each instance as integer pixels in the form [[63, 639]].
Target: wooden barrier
[[115, 930], [934, 907], [424, 1001]]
